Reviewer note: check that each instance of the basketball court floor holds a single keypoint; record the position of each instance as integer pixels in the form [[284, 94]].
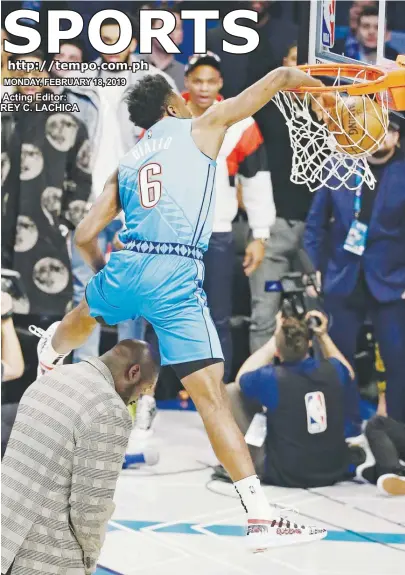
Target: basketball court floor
[[172, 519]]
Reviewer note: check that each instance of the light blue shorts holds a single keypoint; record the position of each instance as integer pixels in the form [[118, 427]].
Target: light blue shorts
[[167, 291]]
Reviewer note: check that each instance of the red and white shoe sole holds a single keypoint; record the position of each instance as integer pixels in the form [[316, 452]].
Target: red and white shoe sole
[[43, 369], [261, 542]]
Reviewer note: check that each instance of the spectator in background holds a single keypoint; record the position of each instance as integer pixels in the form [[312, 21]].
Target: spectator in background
[[349, 44], [290, 58], [281, 33], [355, 10], [367, 35], [71, 51], [292, 203], [241, 70], [159, 57], [242, 157], [12, 365], [304, 444], [104, 110], [46, 173], [361, 43], [366, 279]]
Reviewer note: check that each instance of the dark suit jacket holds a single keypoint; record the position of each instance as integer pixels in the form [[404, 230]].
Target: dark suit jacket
[[383, 261]]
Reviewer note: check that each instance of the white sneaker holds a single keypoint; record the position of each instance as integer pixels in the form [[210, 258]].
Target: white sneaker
[[45, 340], [391, 484], [262, 535], [365, 471], [356, 440], [145, 414]]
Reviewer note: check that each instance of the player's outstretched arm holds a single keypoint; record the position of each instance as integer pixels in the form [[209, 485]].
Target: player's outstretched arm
[[103, 211], [256, 96]]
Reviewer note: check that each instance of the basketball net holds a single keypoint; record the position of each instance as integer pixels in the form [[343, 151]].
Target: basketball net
[[319, 157]]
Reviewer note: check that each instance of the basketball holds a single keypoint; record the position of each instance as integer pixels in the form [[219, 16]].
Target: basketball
[[357, 124]]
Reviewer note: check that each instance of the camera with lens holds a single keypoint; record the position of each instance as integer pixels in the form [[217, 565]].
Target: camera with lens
[[292, 287]]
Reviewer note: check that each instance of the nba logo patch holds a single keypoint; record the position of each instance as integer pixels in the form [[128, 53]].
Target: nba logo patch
[[328, 23], [149, 135], [316, 412]]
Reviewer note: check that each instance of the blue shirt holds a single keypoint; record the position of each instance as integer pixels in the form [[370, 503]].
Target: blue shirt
[[262, 384], [166, 187]]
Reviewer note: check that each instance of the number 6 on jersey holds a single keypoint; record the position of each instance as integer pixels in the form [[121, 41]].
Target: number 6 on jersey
[[150, 191]]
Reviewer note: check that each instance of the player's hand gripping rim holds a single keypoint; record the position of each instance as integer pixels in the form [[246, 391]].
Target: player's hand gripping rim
[[296, 78]]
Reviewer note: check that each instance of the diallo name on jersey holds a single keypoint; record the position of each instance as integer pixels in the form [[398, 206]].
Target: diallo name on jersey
[[149, 145]]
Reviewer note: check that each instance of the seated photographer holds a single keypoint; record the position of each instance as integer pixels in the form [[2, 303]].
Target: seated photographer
[[305, 443]]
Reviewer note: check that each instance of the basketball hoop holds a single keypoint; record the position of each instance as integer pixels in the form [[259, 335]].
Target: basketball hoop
[[334, 128]]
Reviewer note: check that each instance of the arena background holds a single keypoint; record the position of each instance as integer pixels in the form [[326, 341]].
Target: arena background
[[171, 518]]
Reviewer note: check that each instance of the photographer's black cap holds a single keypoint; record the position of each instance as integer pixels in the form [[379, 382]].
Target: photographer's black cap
[[208, 59]]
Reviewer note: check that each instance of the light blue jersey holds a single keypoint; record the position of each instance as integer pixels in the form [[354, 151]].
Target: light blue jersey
[[166, 187]]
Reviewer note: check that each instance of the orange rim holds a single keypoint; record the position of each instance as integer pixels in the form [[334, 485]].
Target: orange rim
[[375, 79]]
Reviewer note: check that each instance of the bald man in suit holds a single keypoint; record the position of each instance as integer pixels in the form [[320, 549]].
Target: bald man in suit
[[63, 459]]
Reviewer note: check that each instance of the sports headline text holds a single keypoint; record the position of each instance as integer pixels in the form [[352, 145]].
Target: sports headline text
[[16, 24]]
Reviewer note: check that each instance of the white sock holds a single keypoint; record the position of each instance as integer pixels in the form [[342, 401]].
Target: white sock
[[253, 498], [49, 356], [149, 400]]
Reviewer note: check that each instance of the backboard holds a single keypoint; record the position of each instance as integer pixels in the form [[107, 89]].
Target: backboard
[[372, 32]]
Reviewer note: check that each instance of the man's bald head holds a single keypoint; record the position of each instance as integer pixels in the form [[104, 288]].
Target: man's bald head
[[134, 367], [133, 351]]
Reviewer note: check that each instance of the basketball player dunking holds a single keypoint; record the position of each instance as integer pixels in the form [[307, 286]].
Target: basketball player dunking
[[165, 187]]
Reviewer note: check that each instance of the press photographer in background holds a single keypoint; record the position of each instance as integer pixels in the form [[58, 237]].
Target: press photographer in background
[[302, 441], [357, 240], [12, 364]]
